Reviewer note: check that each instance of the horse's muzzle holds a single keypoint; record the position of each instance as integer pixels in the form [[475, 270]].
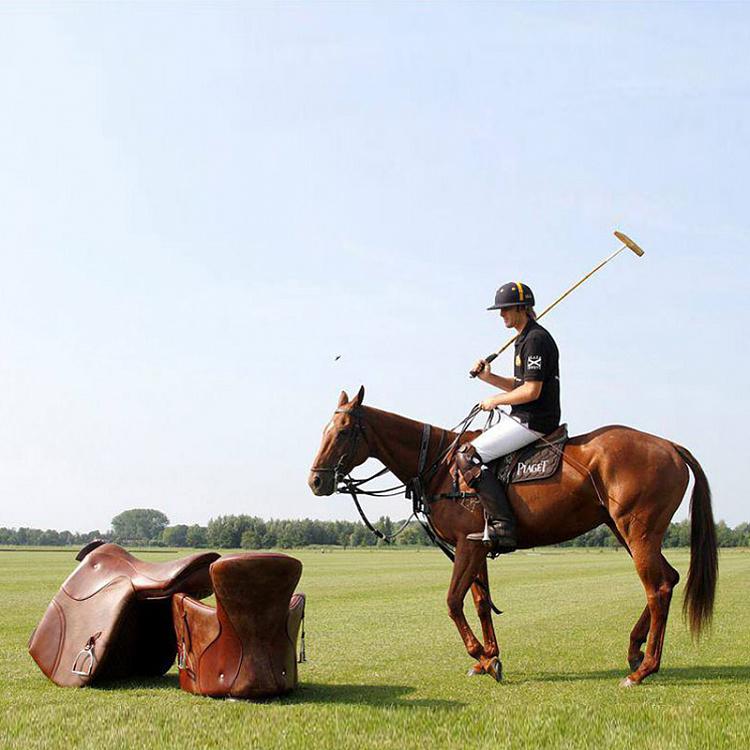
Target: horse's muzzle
[[322, 483]]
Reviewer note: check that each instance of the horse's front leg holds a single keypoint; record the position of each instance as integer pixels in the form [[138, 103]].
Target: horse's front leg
[[467, 565], [480, 591]]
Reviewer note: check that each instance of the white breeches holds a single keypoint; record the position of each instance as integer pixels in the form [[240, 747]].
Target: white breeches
[[506, 436]]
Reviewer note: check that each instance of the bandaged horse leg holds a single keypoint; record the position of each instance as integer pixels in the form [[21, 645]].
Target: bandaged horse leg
[[500, 532]]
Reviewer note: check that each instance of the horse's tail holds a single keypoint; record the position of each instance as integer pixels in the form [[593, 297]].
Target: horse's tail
[[698, 604]]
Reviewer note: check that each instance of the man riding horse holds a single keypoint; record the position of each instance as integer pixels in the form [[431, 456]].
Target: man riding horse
[[534, 397]]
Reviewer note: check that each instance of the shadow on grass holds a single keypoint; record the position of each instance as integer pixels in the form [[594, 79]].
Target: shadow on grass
[[382, 696], [386, 696], [682, 675]]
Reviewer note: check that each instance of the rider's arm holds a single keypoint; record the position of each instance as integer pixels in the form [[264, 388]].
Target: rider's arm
[[534, 370], [526, 392], [484, 372]]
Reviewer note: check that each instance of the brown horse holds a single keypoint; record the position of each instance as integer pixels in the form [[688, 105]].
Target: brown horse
[[630, 480]]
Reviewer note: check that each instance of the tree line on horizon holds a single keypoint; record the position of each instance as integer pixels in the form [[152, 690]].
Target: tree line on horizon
[[149, 527]]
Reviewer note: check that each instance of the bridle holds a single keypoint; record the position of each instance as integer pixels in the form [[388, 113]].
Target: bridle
[[354, 433], [413, 488]]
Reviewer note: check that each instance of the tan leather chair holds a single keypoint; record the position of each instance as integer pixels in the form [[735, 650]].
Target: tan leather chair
[[246, 646]]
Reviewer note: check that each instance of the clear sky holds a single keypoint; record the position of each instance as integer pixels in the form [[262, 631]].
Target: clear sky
[[202, 204]]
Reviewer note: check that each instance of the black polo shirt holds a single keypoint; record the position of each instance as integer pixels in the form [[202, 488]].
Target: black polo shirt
[[537, 359]]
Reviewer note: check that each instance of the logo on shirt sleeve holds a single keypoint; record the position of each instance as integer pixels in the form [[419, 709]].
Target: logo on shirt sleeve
[[534, 363]]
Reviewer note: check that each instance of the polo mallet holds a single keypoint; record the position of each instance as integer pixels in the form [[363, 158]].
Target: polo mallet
[[626, 242]]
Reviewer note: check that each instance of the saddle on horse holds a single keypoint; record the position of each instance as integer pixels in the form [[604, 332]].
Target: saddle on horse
[[246, 646], [536, 461], [539, 460], [112, 616]]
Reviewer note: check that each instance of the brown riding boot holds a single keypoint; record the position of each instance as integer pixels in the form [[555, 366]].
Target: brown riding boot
[[501, 524]]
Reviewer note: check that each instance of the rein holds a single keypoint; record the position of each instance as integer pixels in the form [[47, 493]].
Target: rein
[[413, 489]]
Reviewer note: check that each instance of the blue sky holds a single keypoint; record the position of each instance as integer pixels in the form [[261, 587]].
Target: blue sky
[[204, 204]]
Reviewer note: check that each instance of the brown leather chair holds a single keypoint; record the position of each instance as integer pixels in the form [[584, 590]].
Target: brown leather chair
[[112, 616], [245, 647]]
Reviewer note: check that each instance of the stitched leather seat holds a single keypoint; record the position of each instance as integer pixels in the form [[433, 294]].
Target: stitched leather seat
[[245, 647], [112, 616]]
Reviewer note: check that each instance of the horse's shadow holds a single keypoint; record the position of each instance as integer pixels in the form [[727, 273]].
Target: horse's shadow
[[383, 696], [684, 675]]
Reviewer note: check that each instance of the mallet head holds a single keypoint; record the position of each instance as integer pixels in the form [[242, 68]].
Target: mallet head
[[627, 241]]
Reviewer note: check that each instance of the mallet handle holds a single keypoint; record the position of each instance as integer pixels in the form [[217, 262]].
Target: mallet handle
[[495, 355]]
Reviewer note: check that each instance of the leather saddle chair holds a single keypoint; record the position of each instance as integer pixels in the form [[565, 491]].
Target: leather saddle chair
[[245, 647], [112, 616]]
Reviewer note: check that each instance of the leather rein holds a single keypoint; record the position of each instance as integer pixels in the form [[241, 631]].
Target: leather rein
[[413, 489]]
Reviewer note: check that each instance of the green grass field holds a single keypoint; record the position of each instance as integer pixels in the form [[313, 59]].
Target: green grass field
[[387, 669]]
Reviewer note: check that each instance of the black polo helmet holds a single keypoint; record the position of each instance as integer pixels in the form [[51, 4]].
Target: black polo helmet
[[513, 294]]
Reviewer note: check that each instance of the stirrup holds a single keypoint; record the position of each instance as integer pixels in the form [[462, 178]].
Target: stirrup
[[498, 539], [85, 660]]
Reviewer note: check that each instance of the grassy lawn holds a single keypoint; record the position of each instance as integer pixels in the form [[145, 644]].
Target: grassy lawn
[[387, 668]]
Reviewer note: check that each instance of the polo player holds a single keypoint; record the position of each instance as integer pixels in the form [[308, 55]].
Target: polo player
[[534, 397]]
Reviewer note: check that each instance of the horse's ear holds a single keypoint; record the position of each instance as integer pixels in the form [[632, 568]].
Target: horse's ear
[[343, 399], [360, 397]]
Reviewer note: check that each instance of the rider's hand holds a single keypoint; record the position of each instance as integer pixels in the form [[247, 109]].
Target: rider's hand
[[481, 369], [488, 404]]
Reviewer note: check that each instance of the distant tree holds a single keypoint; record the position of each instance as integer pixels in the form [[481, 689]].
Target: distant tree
[[385, 525], [7, 536], [742, 533], [224, 532], [725, 536], [175, 536], [34, 537], [89, 536], [269, 539], [139, 525], [196, 536], [412, 535], [289, 535], [50, 538], [250, 539], [362, 537], [683, 533]]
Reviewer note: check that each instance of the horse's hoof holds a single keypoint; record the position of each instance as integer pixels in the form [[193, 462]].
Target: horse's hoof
[[627, 682], [495, 669], [636, 662]]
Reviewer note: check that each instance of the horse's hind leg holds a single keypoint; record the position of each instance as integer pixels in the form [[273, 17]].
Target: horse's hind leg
[[640, 631], [658, 578]]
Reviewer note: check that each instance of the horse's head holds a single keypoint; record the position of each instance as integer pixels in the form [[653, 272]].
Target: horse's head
[[343, 445]]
